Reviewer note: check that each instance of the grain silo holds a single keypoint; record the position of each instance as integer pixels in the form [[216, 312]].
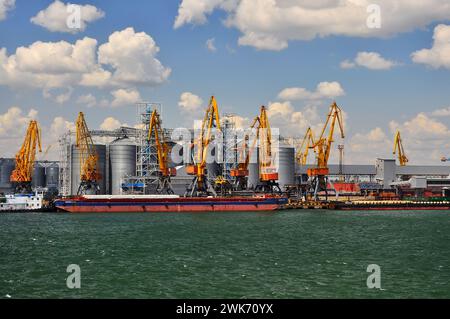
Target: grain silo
[[52, 176], [7, 166], [213, 169], [253, 169], [38, 175], [286, 166], [75, 168], [122, 157]]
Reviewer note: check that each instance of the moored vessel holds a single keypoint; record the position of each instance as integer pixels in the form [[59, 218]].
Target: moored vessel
[[166, 203], [21, 202]]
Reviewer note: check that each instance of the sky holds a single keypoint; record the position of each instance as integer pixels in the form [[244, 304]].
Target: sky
[[386, 64]]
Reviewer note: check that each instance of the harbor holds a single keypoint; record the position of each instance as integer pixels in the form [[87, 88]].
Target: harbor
[[221, 168]]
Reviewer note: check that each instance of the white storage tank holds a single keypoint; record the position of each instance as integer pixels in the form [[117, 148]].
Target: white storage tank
[[286, 166], [122, 157], [253, 169]]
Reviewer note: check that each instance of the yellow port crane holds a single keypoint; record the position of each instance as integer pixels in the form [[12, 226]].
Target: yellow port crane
[[240, 173], [21, 176], [268, 175], [322, 147], [162, 147], [303, 150], [399, 150], [200, 184], [89, 171]]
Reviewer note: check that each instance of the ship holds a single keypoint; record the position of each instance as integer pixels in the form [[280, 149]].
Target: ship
[[167, 204], [21, 202]]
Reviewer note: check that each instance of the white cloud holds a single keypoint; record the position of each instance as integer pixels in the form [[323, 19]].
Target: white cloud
[[369, 60], [190, 102], [425, 140], [59, 96], [195, 11], [365, 148], [60, 126], [422, 127], [13, 120], [123, 97], [210, 45], [133, 56], [54, 18], [87, 100], [439, 55], [110, 123], [292, 122], [444, 112], [271, 24], [347, 64], [47, 64], [324, 90], [5, 6], [128, 56], [13, 125]]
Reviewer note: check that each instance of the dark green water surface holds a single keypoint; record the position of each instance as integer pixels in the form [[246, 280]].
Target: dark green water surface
[[289, 254]]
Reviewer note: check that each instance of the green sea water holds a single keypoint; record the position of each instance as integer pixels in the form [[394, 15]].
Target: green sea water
[[288, 254]]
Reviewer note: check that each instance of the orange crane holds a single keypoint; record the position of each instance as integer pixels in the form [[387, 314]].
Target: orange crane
[[398, 148], [165, 172], [267, 173], [303, 150], [89, 171], [25, 158], [200, 185], [322, 147]]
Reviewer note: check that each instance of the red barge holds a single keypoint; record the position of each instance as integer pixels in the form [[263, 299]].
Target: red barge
[[166, 203]]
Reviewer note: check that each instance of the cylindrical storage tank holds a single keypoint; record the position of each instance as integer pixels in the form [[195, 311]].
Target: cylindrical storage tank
[[7, 166], [38, 176], [286, 166], [75, 168], [122, 157], [213, 170], [52, 176], [253, 169]]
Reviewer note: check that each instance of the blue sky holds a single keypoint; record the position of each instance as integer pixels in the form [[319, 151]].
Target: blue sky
[[243, 77]]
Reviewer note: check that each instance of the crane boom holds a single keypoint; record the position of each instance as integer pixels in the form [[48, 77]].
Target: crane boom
[[267, 171], [165, 172], [324, 142], [267, 175], [211, 120], [246, 151], [25, 158], [399, 150], [307, 143], [322, 147], [89, 172]]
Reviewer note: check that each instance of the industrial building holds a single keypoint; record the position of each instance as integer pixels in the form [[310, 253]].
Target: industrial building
[[383, 171]]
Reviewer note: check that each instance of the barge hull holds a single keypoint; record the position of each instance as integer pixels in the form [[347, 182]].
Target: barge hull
[[169, 206]]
